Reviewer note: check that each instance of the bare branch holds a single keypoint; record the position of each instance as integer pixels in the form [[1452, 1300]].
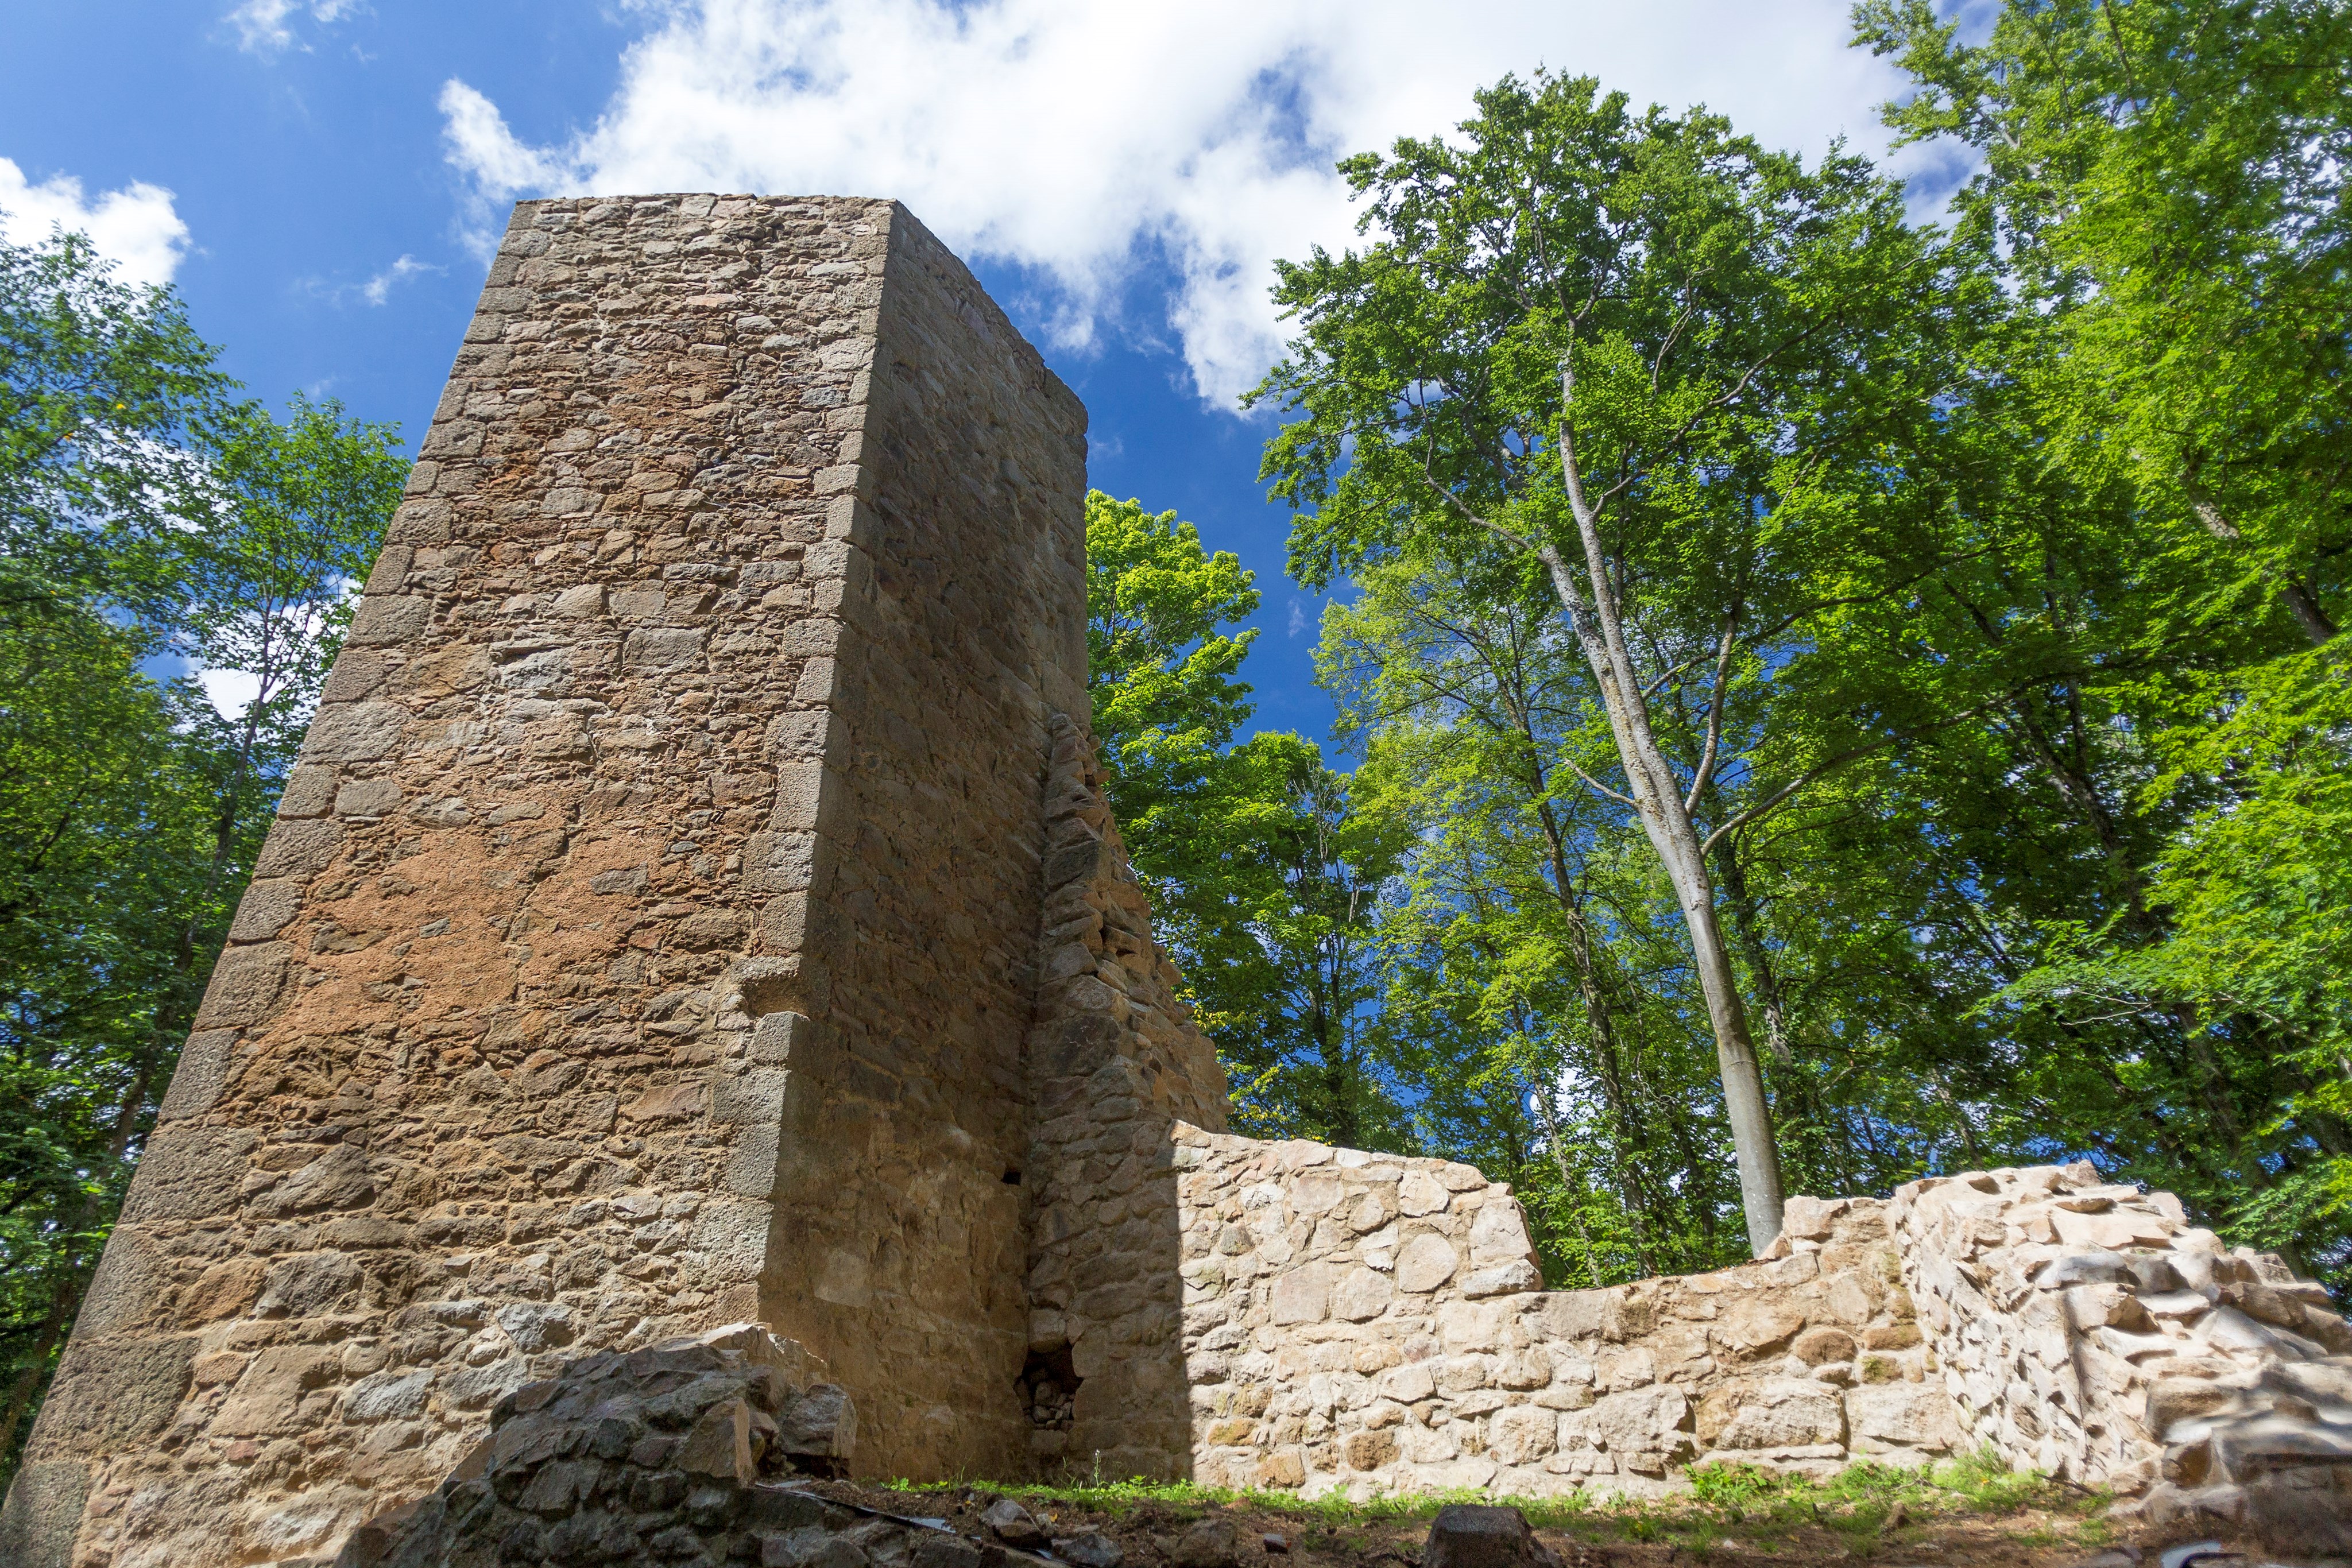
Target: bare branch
[[1595, 785], [1707, 756], [1497, 530]]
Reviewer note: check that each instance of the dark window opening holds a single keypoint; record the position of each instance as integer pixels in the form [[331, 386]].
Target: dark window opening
[[1048, 1388]]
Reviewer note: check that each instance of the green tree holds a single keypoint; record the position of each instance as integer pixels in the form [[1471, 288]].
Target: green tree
[[1661, 366], [1263, 883], [285, 524], [105, 792], [1161, 665], [99, 386], [1305, 1027], [145, 518], [2166, 182]]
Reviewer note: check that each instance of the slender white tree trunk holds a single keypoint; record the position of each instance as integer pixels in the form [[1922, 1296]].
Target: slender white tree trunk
[[1665, 817]]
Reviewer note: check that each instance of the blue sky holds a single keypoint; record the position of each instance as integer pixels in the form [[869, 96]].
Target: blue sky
[[321, 178]]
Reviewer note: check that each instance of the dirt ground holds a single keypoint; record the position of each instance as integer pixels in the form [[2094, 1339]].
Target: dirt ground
[[1148, 1531]]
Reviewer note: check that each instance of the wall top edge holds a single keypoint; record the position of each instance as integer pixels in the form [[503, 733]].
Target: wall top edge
[[772, 198], [557, 212]]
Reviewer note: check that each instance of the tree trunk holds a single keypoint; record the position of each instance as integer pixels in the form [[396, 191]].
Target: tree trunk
[[1759, 959], [1667, 821], [2300, 602], [1670, 831], [63, 1298]]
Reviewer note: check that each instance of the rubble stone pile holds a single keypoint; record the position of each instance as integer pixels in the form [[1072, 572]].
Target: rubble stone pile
[[648, 1455]]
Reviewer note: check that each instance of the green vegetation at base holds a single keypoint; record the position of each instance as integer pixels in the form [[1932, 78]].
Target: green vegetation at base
[[1866, 1501]]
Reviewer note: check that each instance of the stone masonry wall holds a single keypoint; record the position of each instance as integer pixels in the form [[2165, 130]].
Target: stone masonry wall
[[896, 1250], [591, 908], [1114, 1060], [2086, 1329], [1364, 1323]]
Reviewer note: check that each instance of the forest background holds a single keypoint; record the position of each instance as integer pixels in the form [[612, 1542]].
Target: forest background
[[1831, 697]]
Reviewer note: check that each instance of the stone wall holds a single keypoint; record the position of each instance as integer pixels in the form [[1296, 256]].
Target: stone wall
[[1364, 1323], [896, 1251], [646, 938], [2088, 1329], [1114, 1063]]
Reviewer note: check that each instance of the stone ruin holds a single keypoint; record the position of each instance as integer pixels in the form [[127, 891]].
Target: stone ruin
[[694, 1014]]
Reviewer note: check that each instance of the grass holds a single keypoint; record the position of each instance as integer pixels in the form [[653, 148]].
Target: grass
[[1864, 1502]]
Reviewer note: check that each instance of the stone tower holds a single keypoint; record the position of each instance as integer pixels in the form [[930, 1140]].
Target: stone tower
[[648, 938]]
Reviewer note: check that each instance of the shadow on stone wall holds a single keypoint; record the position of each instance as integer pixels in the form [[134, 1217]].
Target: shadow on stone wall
[[1114, 1065], [895, 1251]]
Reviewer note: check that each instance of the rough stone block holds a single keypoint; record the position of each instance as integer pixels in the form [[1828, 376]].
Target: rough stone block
[[1467, 1535], [189, 1172], [1427, 1261], [203, 1071], [354, 732], [385, 620], [1913, 1416], [44, 1513], [106, 1398], [246, 984]]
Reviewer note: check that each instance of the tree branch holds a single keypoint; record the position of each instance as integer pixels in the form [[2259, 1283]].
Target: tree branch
[[1788, 791], [1595, 785], [1707, 755]]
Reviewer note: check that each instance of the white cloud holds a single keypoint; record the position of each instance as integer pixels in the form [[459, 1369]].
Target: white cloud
[[1298, 621], [262, 25], [137, 226], [377, 289], [1078, 139], [480, 143], [230, 692]]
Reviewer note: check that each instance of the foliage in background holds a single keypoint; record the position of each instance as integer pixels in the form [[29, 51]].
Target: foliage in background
[[2167, 178], [148, 520], [1638, 363], [2167, 183], [1542, 1002], [1996, 651], [1265, 884]]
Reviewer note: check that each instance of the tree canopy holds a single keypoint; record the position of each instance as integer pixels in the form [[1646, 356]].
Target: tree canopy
[[1884, 671]]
